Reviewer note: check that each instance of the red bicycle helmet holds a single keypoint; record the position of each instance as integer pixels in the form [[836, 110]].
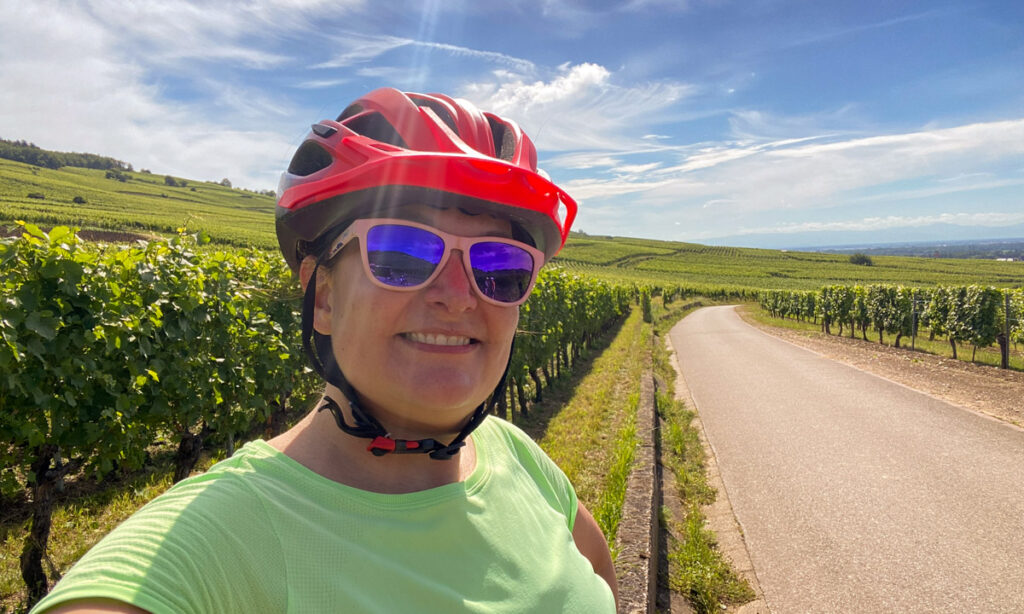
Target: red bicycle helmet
[[422, 148]]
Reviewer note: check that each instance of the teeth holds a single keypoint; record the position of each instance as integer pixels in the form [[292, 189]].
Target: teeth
[[437, 339]]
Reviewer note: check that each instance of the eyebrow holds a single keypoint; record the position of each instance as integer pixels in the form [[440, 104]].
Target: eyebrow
[[412, 213]]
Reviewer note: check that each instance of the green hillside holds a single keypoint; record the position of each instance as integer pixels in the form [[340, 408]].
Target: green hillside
[[144, 203], [702, 265]]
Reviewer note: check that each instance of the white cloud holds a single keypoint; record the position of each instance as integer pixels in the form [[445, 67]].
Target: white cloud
[[95, 98], [579, 108], [519, 97]]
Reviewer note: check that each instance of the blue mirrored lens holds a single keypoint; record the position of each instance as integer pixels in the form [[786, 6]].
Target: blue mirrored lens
[[403, 256], [502, 272]]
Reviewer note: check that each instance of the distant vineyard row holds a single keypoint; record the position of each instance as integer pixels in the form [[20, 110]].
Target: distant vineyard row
[[759, 269], [106, 350], [974, 314]]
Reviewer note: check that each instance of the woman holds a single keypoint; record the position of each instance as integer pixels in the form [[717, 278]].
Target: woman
[[417, 225]]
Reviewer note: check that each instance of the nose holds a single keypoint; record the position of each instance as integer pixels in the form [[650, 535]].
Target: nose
[[453, 288]]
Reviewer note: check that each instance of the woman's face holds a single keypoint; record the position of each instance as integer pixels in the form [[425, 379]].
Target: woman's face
[[420, 360]]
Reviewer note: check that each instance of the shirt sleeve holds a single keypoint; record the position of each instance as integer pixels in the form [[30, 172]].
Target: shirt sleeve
[[200, 547], [549, 478]]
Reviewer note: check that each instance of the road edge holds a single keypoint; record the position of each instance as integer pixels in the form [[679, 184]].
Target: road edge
[[721, 518]]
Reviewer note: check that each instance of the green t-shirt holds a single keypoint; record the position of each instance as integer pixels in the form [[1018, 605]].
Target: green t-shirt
[[261, 533]]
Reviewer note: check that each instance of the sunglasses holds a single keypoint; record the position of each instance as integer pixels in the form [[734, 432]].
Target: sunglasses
[[402, 255]]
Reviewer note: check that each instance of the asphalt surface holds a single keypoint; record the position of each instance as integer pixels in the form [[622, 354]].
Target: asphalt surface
[[854, 493]]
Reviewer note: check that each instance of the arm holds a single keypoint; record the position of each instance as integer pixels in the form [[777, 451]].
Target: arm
[[591, 544], [97, 606]]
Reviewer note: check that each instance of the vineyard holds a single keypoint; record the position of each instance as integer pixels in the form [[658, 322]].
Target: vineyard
[[976, 315], [108, 351], [112, 354], [136, 202], [736, 271]]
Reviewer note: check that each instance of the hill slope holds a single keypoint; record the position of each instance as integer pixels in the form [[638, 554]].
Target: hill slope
[[144, 202], [731, 267]]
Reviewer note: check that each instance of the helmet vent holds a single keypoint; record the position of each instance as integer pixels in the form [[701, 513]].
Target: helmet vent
[[376, 127], [349, 111], [504, 140], [309, 158], [438, 108]]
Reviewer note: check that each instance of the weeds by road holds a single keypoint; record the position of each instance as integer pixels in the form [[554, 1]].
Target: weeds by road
[[696, 567]]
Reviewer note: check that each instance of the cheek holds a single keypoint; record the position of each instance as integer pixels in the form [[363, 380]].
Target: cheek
[[504, 329], [352, 307], [510, 323]]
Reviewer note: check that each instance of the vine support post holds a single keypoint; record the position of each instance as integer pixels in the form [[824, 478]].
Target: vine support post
[[1004, 343], [913, 323]]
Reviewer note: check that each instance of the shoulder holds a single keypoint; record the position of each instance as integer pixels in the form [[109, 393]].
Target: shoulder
[[516, 447], [511, 439], [494, 427]]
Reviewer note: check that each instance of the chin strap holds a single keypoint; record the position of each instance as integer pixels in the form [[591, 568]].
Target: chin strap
[[320, 353]]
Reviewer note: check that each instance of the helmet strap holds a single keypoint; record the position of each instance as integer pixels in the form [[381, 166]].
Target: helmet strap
[[321, 355]]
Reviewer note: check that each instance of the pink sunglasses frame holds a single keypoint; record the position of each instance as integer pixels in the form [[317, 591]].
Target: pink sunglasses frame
[[359, 228]]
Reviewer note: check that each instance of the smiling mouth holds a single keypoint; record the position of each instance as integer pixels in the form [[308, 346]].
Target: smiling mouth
[[438, 339]]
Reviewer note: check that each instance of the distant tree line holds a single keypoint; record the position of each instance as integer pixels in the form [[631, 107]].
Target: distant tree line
[[29, 153]]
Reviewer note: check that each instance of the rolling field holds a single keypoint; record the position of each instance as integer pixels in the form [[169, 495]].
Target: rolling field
[[144, 203], [664, 262]]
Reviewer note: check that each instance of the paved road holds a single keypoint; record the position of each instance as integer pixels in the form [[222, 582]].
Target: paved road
[[856, 494]]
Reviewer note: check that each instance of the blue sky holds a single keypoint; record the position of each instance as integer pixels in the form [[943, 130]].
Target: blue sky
[[744, 122]]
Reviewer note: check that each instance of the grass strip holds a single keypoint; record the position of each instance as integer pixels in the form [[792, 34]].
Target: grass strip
[[609, 509], [696, 568], [592, 437]]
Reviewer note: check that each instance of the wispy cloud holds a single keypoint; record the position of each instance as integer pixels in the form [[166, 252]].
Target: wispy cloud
[[844, 31], [942, 187], [316, 84], [587, 189], [806, 173], [891, 221], [580, 161], [636, 169], [360, 49]]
